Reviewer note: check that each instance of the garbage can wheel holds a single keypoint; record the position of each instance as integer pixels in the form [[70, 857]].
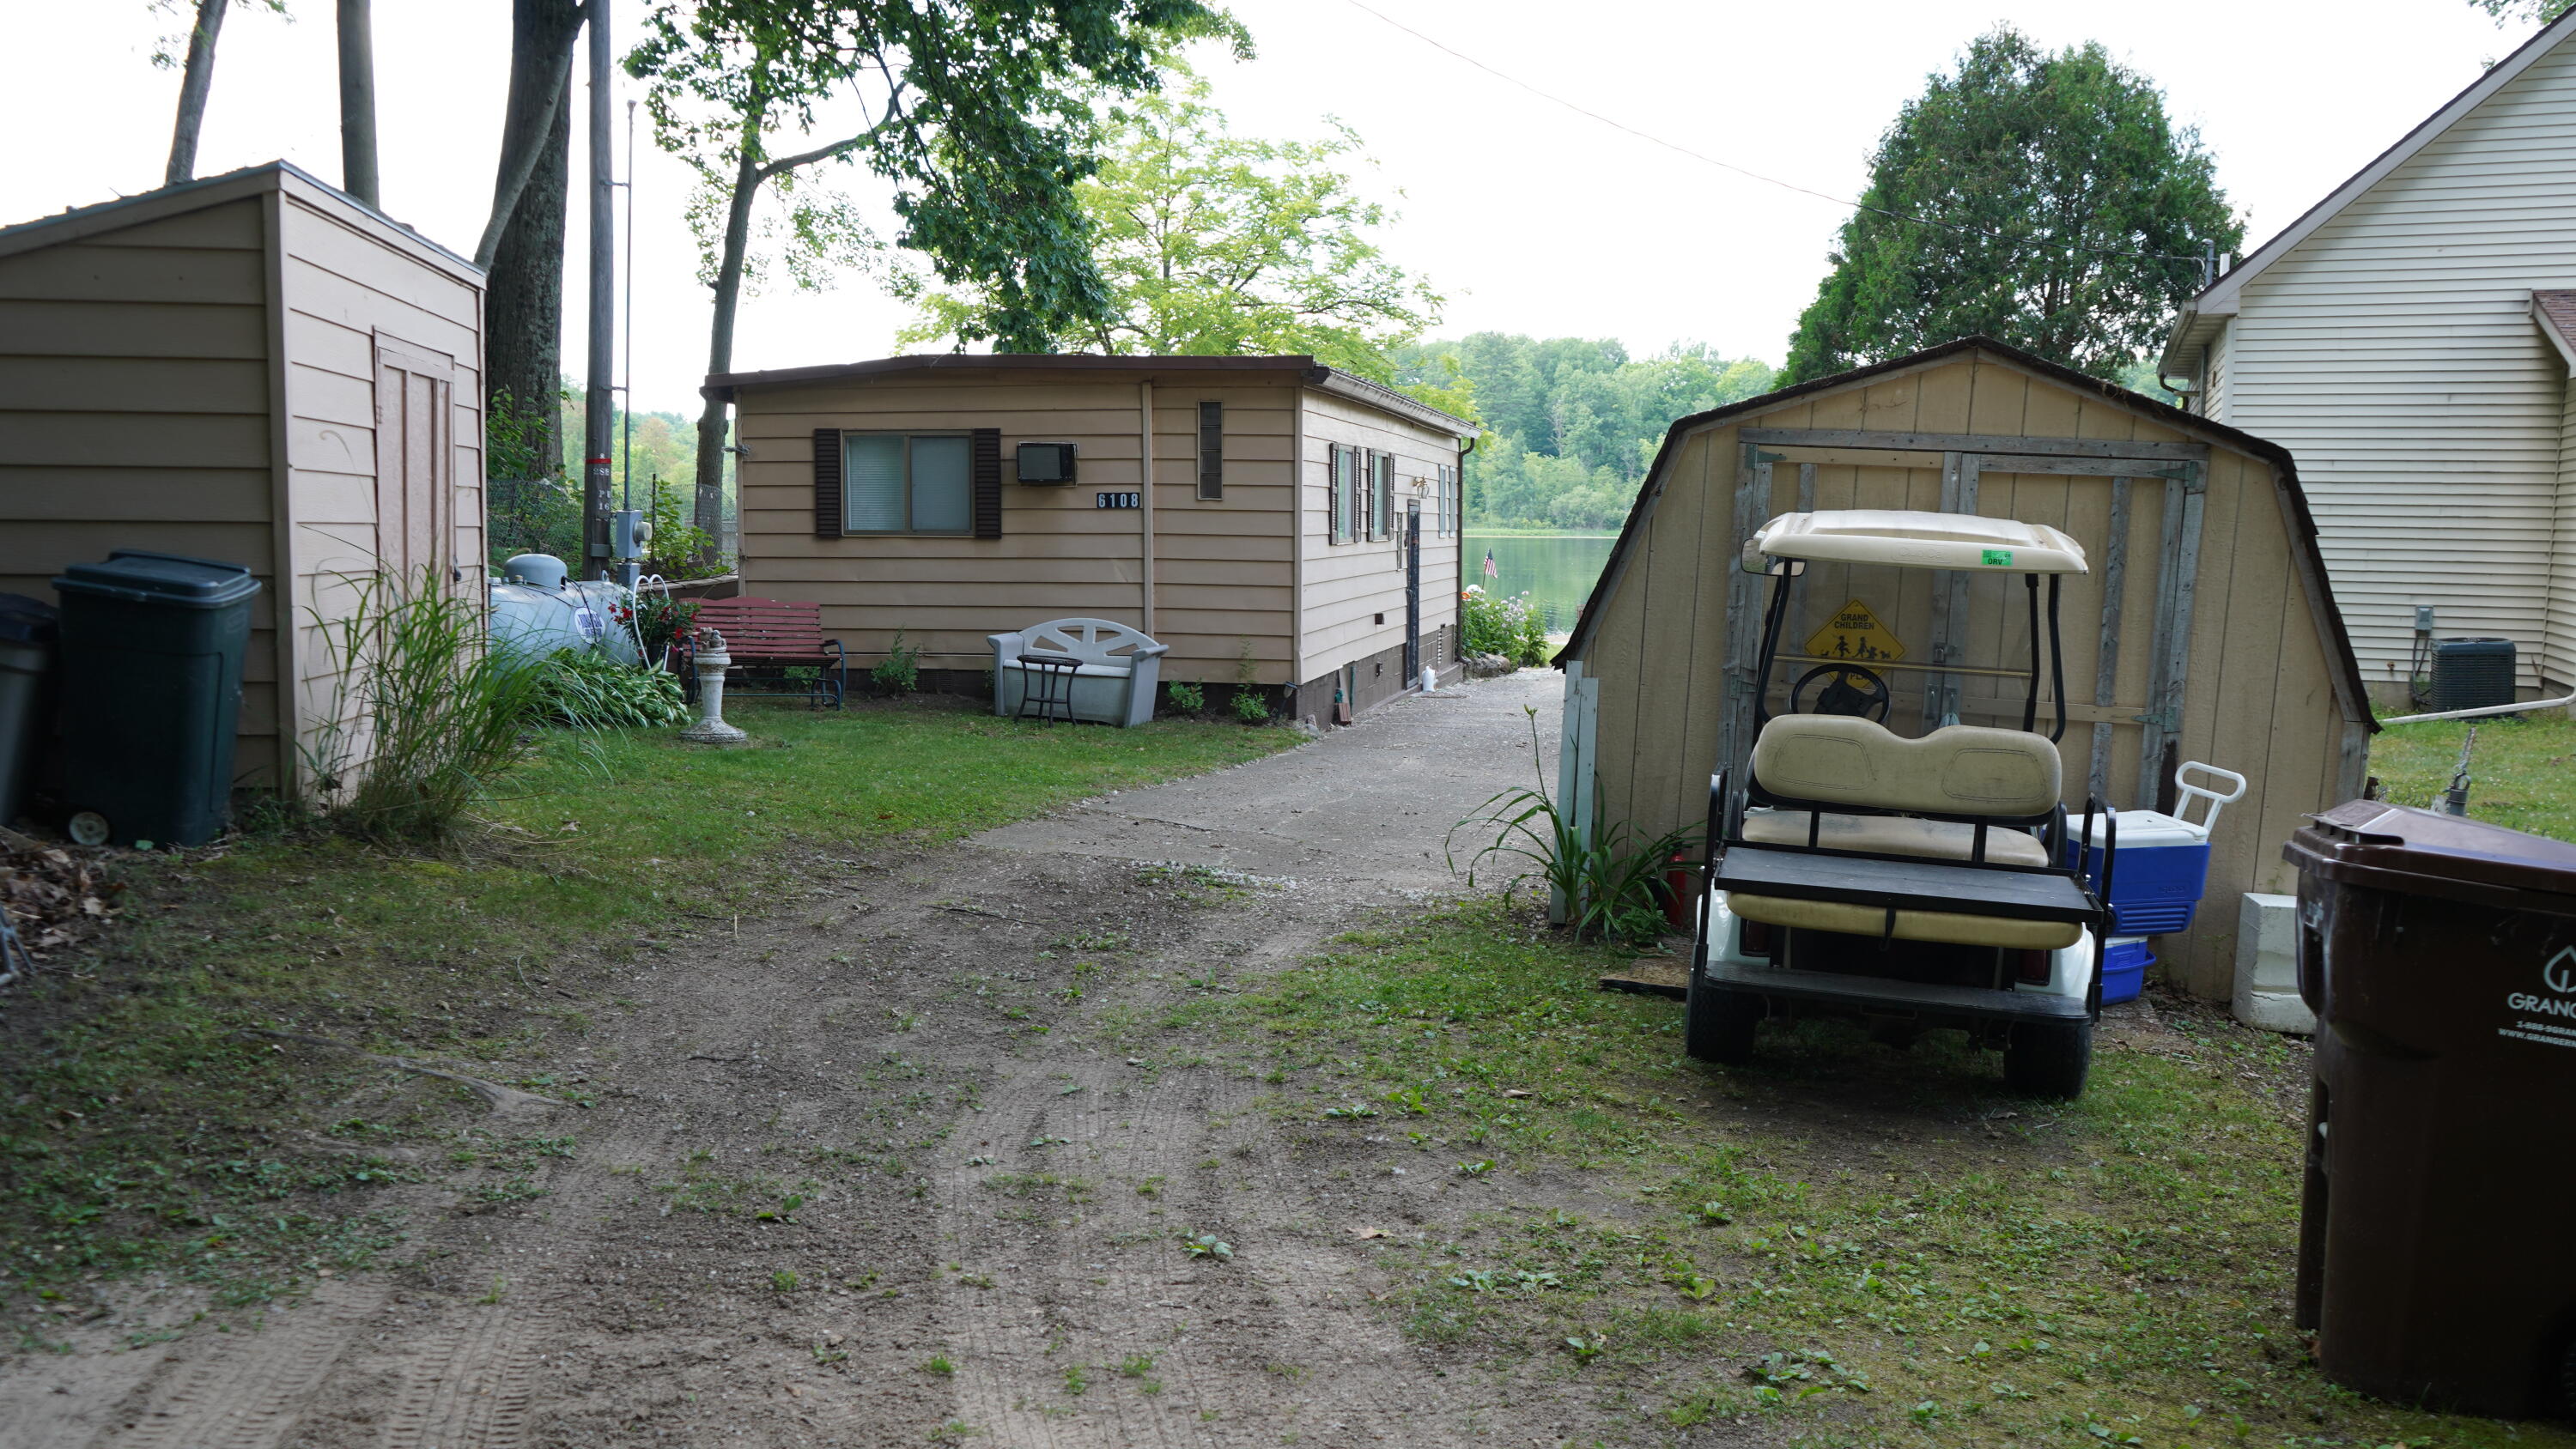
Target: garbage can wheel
[[88, 828], [1719, 1024], [2049, 1058]]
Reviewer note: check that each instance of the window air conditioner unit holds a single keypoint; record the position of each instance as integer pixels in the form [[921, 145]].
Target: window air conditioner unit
[[1046, 462]]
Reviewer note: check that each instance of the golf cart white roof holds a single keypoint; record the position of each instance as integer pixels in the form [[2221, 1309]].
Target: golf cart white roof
[[1906, 539]]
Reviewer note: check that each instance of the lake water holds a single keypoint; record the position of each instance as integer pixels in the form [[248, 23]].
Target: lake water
[[1557, 571]]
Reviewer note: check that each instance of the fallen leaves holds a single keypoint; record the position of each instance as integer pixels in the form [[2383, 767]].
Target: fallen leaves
[[54, 897]]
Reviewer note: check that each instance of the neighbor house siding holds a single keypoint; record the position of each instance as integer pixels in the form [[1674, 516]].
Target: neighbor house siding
[[134, 391], [2392, 352], [1224, 574], [2559, 646], [2260, 696], [1349, 587]]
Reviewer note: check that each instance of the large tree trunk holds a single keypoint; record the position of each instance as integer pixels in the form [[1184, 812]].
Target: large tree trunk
[[193, 85], [358, 101], [523, 306], [524, 245], [711, 423]]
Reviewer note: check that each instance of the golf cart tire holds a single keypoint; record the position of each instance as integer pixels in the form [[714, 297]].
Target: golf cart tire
[[1720, 1021], [2049, 1058]]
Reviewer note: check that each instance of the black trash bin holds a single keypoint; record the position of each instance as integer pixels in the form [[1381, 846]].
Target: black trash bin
[[152, 681], [27, 629], [2437, 1244]]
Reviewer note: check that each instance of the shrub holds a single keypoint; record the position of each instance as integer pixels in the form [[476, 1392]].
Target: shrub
[[441, 715], [1249, 706], [1608, 878], [590, 691], [1187, 698], [900, 671], [1511, 627]]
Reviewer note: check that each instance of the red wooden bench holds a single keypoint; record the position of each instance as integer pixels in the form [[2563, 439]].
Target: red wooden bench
[[771, 634]]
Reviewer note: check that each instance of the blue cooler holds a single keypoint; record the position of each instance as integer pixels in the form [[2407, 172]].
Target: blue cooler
[[2125, 960], [2163, 864]]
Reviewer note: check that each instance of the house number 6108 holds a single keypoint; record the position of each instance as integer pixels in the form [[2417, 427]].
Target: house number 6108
[[1113, 500]]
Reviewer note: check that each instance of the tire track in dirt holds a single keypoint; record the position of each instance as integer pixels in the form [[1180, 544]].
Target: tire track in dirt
[[1280, 1338], [248, 1390]]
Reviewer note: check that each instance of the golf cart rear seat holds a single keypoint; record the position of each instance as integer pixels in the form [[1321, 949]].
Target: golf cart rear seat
[[1958, 770]]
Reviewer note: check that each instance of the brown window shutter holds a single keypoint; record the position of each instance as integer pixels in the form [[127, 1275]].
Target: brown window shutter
[[827, 482], [1211, 450], [988, 482]]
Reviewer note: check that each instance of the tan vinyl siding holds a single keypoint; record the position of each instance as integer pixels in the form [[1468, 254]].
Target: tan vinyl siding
[[1223, 568], [350, 295], [1348, 585], [133, 414], [193, 371], [2392, 352], [2260, 695]]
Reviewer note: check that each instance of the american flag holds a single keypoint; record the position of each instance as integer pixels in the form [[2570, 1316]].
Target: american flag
[[1491, 572]]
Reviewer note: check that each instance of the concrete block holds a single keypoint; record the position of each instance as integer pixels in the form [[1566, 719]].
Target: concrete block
[[2267, 965]]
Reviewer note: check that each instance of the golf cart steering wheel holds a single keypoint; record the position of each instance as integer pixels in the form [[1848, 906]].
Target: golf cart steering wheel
[[1854, 691]]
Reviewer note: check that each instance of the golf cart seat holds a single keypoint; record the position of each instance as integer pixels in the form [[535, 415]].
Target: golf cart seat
[[1955, 770], [1818, 760], [1852, 919], [1891, 835]]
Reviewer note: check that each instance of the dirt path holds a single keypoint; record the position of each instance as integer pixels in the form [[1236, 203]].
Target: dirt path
[[874, 1171]]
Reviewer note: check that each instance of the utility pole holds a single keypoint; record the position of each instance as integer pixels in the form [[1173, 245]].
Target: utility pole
[[599, 396]]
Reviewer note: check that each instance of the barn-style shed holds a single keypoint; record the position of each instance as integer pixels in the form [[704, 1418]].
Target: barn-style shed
[[2203, 630], [254, 367]]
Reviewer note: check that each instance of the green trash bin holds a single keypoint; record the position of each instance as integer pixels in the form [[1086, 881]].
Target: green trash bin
[[152, 680]]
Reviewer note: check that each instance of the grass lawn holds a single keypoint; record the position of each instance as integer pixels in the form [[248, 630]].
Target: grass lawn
[[1900, 1250], [140, 1129], [2520, 771]]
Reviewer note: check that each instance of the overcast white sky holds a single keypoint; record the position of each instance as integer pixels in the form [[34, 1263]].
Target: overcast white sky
[[1529, 217]]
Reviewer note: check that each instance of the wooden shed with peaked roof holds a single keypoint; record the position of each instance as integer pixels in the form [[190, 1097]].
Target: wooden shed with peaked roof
[[254, 367], [2204, 629]]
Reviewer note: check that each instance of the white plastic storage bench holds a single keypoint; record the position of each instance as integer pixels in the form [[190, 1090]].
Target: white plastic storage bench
[[1117, 669]]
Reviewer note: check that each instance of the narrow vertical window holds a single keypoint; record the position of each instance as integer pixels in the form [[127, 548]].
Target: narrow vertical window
[[1211, 450], [1337, 518]]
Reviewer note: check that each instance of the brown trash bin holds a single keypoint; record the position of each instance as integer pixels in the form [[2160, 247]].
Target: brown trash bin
[[2437, 1242]]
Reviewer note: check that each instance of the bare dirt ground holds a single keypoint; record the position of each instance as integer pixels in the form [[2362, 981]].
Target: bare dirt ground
[[873, 1170]]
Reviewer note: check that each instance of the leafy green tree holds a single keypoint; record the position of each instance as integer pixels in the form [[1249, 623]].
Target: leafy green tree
[[1211, 242], [974, 112], [2042, 199], [1571, 424], [2534, 12]]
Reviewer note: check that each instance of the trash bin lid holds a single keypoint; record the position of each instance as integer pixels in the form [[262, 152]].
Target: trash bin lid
[[26, 621], [2418, 852], [169, 579]]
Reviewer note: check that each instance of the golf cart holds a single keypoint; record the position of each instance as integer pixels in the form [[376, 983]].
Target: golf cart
[[1913, 883]]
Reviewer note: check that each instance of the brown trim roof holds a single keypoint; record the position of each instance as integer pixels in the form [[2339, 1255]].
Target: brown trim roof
[[724, 386], [2284, 466]]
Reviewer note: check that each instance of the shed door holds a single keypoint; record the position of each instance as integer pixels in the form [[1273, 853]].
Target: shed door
[[415, 487]]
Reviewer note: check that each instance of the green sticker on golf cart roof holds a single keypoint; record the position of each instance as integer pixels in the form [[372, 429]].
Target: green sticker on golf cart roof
[[1997, 558]]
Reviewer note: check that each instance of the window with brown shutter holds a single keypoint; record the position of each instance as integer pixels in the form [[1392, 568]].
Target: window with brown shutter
[[988, 482], [1381, 486], [1211, 451], [827, 482]]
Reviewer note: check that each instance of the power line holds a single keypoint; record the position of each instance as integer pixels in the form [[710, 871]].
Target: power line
[[1706, 159]]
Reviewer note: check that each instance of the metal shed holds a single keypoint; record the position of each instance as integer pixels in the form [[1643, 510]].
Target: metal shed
[[2205, 628], [254, 367]]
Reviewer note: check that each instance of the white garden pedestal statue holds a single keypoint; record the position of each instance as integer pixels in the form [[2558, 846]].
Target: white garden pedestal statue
[[711, 661]]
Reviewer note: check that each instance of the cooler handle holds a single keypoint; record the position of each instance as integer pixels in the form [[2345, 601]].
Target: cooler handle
[[2185, 792]]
